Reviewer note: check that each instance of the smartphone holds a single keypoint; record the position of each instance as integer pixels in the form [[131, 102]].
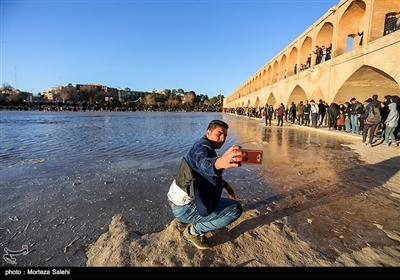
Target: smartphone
[[252, 156]]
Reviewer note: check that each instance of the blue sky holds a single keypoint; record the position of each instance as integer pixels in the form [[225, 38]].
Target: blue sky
[[210, 47]]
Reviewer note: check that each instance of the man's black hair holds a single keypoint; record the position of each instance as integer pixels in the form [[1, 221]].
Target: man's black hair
[[217, 123]]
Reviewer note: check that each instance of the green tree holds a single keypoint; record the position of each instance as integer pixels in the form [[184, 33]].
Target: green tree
[[87, 92], [65, 94], [200, 98], [149, 100], [6, 87], [217, 100], [188, 98]]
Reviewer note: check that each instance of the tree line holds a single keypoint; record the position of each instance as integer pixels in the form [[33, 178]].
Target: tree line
[[95, 97]]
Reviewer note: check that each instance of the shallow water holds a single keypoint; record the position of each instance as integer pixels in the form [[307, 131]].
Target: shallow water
[[89, 137], [64, 175]]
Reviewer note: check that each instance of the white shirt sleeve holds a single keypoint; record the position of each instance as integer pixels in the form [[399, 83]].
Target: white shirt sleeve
[[177, 195]]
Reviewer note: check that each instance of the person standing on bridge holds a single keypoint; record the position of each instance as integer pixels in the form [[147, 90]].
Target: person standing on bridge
[[314, 113], [355, 109], [292, 112], [269, 110], [308, 61], [281, 113], [329, 52], [300, 113], [323, 106], [307, 112], [391, 122], [318, 53]]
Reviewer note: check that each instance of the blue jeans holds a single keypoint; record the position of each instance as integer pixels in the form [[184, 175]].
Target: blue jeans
[[371, 128], [314, 119], [226, 212], [347, 124], [355, 127], [383, 127]]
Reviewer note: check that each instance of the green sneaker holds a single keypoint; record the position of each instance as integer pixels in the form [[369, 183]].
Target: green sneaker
[[199, 241]]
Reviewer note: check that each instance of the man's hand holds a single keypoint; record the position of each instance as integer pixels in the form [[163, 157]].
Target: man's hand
[[231, 158], [230, 191]]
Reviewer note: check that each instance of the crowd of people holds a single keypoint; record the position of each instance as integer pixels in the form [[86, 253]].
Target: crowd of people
[[392, 23], [322, 54], [348, 117]]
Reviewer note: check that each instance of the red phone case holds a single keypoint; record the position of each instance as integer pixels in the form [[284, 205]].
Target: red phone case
[[252, 156]]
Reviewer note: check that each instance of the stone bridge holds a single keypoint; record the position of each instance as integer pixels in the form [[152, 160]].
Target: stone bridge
[[365, 59]]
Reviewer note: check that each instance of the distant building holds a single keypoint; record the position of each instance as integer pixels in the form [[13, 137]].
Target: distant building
[[132, 95], [52, 93], [97, 86]]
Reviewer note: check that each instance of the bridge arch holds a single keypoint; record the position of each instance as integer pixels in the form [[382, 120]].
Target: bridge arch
[[269, 75], [349, 26], [364, 82], [292, 62], [282, 68]]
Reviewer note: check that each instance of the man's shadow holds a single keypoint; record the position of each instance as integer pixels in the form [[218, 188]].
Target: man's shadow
[[356, 186]]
